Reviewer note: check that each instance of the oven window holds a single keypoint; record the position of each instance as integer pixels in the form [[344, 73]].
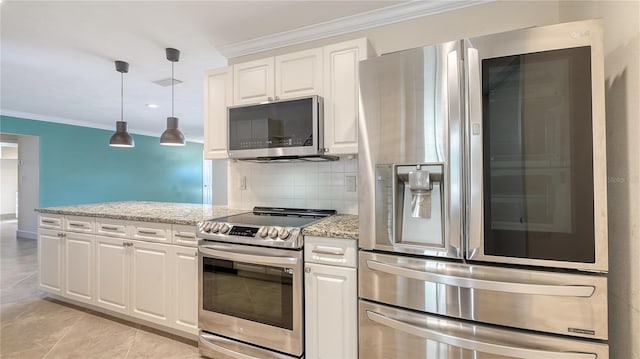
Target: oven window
[[538, 169], [258, 293]]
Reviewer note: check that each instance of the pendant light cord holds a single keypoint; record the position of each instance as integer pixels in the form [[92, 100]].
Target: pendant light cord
[[172, 115], [121, 96]]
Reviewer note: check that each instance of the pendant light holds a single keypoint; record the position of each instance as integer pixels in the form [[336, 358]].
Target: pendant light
[[121, 138], [172, 135]]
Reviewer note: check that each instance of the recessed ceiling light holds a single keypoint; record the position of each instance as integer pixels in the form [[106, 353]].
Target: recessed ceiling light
[[152, 105]]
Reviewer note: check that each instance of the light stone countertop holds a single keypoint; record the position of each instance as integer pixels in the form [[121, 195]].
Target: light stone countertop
[[162, 212], [338, 226]]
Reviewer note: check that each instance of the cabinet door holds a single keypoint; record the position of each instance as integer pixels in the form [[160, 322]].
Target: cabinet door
[[218, 95], [341, 95], [151, 281], [253, 81], [79, 265], [298, 74], [185, 277], [112, 274], [331, 312], [50, 261]]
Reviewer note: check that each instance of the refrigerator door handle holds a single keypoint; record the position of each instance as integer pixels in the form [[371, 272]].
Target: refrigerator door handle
[[483, 284], [453, 192], [469, 344], [474, 152]]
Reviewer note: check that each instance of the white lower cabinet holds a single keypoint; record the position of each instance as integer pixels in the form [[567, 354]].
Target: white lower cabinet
[[50, 261], [79, 268], [331, 299], [151, 281], [112, 274], [185, 295], [143, 279]]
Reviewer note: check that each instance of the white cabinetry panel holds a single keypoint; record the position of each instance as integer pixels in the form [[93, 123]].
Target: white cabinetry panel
[[50, 260], [79, 265], [112, 274], [253, 81], [150, 271], [186, 289], [298, 74], [218, 95]]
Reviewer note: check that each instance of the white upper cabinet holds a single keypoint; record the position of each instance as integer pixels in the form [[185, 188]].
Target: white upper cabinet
[[298, 74], [341, 95], [277, 78], [253, 81], [218, 95]]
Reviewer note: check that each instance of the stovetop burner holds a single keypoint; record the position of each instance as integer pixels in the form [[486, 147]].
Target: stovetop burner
[[264, 226]]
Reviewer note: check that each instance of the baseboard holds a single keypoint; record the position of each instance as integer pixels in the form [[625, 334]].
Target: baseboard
[[26, 234], [6, 216]]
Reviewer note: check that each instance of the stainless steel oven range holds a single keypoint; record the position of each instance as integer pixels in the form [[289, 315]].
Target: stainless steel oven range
[[250, 283]]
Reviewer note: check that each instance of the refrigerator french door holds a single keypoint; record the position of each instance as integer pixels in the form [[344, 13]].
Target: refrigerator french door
[[483, 195]]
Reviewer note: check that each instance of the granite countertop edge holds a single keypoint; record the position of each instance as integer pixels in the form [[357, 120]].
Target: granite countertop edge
[[172, 213], [338, 226]]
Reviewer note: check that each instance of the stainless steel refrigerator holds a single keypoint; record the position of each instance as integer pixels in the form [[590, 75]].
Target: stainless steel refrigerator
[[483, 209]]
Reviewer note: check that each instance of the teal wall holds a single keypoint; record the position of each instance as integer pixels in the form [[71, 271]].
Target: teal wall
[[78, 166]]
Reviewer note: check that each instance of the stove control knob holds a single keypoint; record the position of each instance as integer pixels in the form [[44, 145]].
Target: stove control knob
[[273, 233], [224, 228], [206, 227], [283, 233], [263, 231], [215, 227], [201, 227]]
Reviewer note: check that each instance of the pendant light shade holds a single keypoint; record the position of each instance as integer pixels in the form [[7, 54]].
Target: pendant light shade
[[121, 138], [172, 135]]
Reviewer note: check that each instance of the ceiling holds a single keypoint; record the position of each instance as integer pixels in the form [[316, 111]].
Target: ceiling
[[58, 57]]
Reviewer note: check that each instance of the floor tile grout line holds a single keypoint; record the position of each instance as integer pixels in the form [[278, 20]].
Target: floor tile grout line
[[132, 342], [64, 335]]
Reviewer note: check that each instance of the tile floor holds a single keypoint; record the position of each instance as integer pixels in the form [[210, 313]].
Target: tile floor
[[34, 326]]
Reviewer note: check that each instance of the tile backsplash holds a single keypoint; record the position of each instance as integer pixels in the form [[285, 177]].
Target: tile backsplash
[[318, 185]]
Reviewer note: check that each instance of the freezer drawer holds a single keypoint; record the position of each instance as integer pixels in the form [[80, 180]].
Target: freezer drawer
[[552, 302], [387, 332]]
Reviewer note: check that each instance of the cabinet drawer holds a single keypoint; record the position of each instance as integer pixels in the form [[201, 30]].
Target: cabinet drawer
[[184, 235], [331, 251], [148, 231], [111, 227], [79, 224], [50, 221]]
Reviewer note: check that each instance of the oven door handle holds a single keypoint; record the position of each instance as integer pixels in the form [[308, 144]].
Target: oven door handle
[[483, 284], [247, 255]]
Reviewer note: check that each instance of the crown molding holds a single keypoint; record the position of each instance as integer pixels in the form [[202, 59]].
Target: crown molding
[[370, 19], [67, 121]]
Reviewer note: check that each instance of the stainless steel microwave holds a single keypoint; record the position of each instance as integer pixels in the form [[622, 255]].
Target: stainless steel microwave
[[281, 130]]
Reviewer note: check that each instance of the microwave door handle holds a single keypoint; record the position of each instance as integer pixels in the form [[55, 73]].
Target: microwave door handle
[[248, 256], [470, 344], [483, 284], [474, 152]]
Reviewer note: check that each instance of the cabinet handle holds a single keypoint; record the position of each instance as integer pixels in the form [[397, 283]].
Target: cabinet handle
[[147, 232], [269, 98], [277, 98], [48, 221], [60, 234], [127, 244], [80, 225], [307, 269], [185, 235], [328, 250], [107, 228]]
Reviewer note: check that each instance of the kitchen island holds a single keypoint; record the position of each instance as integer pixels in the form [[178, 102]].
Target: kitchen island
[[134, 260]]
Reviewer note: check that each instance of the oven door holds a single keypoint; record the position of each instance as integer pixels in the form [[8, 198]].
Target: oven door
[[252, 294], [537, 147]]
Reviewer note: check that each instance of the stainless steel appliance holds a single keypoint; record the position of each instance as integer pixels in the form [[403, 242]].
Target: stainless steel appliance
[[289, 129], [250, 283], [483, 212]]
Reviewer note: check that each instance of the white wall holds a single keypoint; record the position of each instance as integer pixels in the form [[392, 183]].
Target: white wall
[[621, 21], [9, 181], [29, 185], [296, 185]]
